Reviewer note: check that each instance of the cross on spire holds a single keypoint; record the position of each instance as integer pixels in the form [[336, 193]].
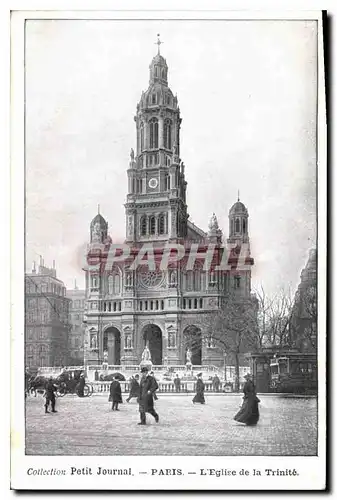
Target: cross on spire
[[158, 42]]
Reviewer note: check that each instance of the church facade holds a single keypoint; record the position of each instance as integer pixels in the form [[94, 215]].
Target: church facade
[[130, 307]]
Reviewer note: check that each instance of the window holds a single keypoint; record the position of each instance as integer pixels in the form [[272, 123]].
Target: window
[[167, 182], [237, 281], [162, 304], [161, 224], [153, 133], [197, 280], [237, 225], [94, 282], [168, 134], [210, 342], [152, 225], [141, 136], [244, 226], [30, 334], [154, 97], [143, 226], [189, 280]]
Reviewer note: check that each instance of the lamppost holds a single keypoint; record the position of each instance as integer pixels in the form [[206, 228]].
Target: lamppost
[[224, 364]]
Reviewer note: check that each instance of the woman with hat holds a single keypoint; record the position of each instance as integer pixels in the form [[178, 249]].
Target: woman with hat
[[200, 388], [249, 411]]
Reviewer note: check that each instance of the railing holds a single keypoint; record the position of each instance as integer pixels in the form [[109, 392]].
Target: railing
[[164, 387]]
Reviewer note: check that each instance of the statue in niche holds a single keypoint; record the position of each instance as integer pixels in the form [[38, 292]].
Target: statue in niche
[[189, 356], [146, 356], [132, 155]]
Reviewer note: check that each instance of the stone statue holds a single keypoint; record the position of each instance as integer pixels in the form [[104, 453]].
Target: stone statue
[[213, 223], [132, 154], [146, 356], [93, 343], [175, 149], [105, 356], [188, 356]]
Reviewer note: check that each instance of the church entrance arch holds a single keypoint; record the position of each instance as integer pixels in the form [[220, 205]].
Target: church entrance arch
[[193, 341], [153, 338], [112, 344]]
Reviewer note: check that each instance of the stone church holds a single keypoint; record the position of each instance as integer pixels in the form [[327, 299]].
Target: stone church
[[130, 308]]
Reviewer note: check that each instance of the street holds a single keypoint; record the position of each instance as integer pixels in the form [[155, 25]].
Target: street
[[87, 426]]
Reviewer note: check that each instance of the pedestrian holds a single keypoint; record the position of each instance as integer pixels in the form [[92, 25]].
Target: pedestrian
[[80, 386], [200, 388], [155, 397], [148, 385], [176, 382], [216, 383], [115, 393], [50, 390], [249, 411], [134, 388]]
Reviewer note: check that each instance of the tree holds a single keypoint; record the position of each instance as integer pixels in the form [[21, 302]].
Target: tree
[[304, 318], [232, 328]]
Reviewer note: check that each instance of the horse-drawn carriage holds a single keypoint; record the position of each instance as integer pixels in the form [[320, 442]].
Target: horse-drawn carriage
[[68, 382]]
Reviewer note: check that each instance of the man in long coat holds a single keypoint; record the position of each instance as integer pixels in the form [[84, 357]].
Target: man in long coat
[[200, 387], [176, 382], [115, 394], [134, 388], [50, 390], [148, 385], [80, 386]]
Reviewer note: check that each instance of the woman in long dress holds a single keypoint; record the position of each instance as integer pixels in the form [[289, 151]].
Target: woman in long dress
[[249, 411], [199, 397]]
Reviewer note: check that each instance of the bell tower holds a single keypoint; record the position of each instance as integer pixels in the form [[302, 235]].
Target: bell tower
[[156, 207]]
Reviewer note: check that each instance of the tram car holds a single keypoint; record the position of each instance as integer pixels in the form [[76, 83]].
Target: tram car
[[294, 374]]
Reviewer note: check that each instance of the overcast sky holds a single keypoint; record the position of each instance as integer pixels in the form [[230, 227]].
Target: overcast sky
[[247, 96]]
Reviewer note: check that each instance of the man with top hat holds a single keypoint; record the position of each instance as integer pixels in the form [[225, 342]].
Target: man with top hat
[[200, 388], [80, 386], [148, 386]]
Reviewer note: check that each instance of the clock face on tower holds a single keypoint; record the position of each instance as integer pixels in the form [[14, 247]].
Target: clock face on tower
[[153, 183]]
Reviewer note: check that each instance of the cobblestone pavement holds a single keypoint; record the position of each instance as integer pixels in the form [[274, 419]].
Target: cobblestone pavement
[[287, 426]]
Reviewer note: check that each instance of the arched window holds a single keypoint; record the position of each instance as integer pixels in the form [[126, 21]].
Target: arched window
[[244, 226], [141, 136], [168, 134], [152, 225], [111, 284], [237, 225], [153, 133], [189, 280], [167, 182], [197, 280], [116, 284], [232, 226], [163, 73], [156, 70], [161, 224], [154, 98], [143, 226]]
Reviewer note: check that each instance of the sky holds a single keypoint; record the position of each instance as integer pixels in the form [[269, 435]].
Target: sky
[[247, 96]]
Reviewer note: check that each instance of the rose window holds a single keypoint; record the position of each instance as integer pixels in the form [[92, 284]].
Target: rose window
[[151, 279]]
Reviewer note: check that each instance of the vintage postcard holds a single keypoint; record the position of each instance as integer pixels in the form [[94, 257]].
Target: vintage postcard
[[169, 240]]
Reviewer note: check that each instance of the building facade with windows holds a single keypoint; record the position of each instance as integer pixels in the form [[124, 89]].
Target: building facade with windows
[[163, 308], [46, 318], [77, 308], [303, 325]]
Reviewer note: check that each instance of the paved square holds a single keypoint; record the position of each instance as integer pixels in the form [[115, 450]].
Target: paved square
[[287, 426]]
